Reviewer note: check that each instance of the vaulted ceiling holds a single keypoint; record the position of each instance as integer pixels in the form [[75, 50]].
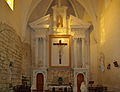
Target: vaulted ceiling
[[34, 9], [45, 7]]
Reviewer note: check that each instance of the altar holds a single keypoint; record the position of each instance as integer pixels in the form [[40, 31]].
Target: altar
[[61, 88], [60, 48]]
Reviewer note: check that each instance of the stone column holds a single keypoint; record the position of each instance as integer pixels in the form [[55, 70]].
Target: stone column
[[36, 52], [40, 52], [75, 81], [83, 52], [33, 86], [44, 52], [75, 52], [88, 50]]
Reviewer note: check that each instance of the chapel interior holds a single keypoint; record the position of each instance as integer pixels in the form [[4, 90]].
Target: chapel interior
[[59, 46]]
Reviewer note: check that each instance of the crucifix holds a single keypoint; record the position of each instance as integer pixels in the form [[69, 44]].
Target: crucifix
[[60, 45]]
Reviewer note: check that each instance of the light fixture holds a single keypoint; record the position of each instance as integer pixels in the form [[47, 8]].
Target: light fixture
[[116, 63]]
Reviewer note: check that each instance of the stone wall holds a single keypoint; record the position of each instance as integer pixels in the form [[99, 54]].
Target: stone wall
[[10, 58], [54, 74], [27, 62]]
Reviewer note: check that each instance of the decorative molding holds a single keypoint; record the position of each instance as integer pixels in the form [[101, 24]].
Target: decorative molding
[[77, 23], [41, 23], [40, 34], [79, 34], [79, 27]]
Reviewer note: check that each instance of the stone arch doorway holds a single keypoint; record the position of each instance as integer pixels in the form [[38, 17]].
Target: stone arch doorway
[[40, 82], [80, 79]]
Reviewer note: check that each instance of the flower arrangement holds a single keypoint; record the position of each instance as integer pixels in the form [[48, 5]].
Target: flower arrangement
[[60, 80]]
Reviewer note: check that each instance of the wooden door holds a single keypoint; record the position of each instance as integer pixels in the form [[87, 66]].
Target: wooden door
[[80, 79], [40, 82]]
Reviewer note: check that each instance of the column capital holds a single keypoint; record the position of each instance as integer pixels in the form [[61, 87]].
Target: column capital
[[44, 38], [75, 38], [35, 38]]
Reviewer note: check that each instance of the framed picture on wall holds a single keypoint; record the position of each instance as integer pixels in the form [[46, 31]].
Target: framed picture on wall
[[60, 51]]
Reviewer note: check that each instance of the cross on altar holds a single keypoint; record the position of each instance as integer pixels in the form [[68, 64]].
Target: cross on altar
[[60, 44]]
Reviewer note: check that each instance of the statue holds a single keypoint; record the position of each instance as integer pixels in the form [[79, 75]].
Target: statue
[[102, 65], [83, 87], [59, 20]]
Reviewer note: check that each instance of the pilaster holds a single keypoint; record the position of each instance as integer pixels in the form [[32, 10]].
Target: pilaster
[[36, 52], [75, 52], [83, 52], [44, 52]]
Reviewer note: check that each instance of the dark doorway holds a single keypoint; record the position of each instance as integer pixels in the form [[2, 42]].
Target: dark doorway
[[80, 79], [40, 82]]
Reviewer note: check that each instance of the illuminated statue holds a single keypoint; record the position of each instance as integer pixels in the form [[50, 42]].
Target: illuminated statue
[[59, 22]]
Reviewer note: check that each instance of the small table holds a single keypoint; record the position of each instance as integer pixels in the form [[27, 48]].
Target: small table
[[59, 87]]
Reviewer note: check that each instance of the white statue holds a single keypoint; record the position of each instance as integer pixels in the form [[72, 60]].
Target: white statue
[[102, 65], [83, 87]]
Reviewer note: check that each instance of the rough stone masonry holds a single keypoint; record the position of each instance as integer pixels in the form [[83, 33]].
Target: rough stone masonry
[[10, 58]]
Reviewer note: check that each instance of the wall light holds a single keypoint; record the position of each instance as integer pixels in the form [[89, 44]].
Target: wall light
[[116, 63]]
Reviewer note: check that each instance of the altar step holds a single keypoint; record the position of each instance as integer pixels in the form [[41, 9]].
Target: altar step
[[51, 91], [69, 91]]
